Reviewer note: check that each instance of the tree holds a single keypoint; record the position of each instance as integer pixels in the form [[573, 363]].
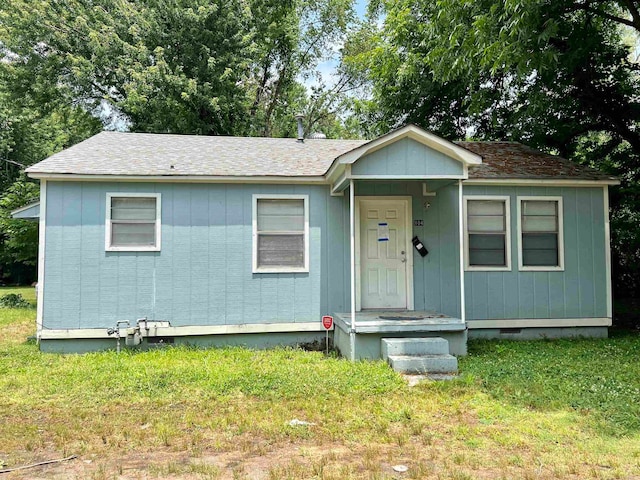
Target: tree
[[214, 67], [557, 75]]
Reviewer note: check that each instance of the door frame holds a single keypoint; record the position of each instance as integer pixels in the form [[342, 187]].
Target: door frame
[[408, 215]]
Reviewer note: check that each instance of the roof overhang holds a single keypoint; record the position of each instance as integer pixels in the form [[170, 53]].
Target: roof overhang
[[547, 182], [28, 212], [415, 133], [339, 173], [73, 177]]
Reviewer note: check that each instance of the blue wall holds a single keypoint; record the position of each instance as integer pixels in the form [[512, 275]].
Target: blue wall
[[577, 292], [436, 277], [407, 157], [202, 276]]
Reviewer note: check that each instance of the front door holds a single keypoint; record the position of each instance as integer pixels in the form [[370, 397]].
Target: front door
[[383, 256]]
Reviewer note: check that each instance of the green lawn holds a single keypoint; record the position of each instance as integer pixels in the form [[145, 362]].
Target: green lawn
[[549, 409]]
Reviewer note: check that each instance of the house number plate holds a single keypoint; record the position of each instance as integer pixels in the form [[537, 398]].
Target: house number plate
[[418, 223]]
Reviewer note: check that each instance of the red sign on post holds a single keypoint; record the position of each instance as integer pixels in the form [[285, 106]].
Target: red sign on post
[[327, 322]]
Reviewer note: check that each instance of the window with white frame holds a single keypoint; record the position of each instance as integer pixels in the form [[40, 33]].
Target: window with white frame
[[540, 233], [280, 233], [487, 233], [133, 222]]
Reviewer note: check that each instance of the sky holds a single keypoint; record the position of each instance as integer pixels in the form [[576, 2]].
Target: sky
[[328, 68]]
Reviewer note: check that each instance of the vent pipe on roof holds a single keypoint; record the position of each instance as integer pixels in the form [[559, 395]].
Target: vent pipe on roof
[[299, 118]]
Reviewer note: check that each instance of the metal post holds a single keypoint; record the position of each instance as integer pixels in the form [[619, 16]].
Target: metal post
[[352, 234]]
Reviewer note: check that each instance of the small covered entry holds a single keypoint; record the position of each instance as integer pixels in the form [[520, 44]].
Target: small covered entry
[[403, 189]]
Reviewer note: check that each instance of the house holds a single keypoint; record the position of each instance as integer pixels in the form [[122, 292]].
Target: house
[[228, 240]]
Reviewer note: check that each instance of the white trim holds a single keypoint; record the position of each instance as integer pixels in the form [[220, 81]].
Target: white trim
[[254, 227], [461, 250], [546, 182], [554, 268], [407, 177], [416, 133], [342, 181], [607, 251], [408, 210], [41, 258], [82, 333], [26, 207], [158, 223], [426, 192], [539, 323], [507, 211], [72, 177], [352, 268]]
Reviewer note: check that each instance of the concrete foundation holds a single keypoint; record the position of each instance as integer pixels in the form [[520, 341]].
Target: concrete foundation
[[538, 333], [254, 340]]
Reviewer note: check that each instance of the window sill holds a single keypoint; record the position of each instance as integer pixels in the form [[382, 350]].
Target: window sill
[[132, 249], [280, 270], [486, 269], [541, 269]]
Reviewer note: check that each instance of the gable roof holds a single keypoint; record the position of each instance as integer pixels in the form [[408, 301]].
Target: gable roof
[[147, 154], [111, 154], [450, 149]]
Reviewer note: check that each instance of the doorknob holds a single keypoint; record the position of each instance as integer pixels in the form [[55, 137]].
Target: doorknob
[[404, 258]]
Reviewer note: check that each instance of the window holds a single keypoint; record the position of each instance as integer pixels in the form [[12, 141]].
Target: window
[[540, 233], [133, 222], [280, 233], [487, 233]]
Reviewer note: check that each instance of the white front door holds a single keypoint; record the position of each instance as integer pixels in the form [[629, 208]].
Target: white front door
[[383, 253]]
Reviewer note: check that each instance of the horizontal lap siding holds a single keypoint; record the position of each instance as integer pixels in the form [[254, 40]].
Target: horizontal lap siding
[[202, 275], [579, 291]]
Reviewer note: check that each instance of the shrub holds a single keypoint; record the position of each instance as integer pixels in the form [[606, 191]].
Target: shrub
[[14, 300]]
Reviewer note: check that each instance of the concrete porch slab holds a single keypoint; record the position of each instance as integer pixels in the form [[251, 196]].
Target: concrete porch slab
[[399, 321]]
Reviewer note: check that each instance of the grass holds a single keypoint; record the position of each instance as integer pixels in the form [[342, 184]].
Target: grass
[[549, 409]]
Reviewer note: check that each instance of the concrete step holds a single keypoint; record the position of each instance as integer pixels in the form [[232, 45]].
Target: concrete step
[[414, 346], [423, 363]]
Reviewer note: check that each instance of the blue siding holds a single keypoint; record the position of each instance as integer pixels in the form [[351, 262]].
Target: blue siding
[[436, 277], [580, 291], [202, 275], [407, 157]]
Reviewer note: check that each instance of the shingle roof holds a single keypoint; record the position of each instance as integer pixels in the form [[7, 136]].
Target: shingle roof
[[143, 154], [515, 160], [116, 153]]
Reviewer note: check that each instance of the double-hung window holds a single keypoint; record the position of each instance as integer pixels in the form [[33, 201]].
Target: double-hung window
[[280, 233], [132, 222], [487, 233], [540, 233]]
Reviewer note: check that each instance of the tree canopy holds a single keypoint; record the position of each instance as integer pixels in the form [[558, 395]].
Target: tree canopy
[[557, 75]]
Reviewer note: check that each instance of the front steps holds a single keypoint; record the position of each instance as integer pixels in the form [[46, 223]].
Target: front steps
[[419, 355]]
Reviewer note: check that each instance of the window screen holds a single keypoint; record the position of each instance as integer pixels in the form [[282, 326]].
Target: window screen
[[280, 233], [539, 224], [487, 230], [133, 222]]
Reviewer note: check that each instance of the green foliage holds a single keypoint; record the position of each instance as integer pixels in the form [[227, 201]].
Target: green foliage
[[18, 237], [70, 68], [517, 406], [600, 378], [14, 300], [206, 66], [558, 76]]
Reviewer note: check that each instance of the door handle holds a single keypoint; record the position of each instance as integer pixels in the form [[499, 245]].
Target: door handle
[[404, 258]]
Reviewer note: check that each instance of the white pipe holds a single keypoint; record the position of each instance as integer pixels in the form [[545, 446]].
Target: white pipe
[[463, 314], [352, 235]]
